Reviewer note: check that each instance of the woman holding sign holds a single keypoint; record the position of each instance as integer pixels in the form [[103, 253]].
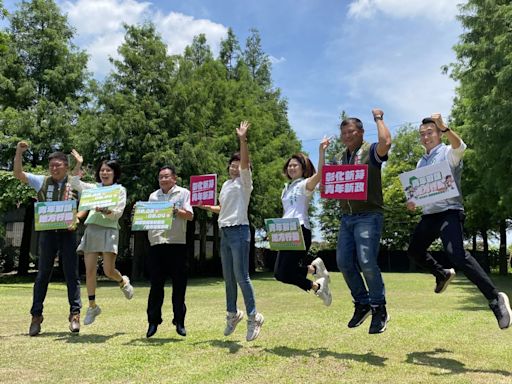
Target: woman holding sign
[[296, 197], [236, 237], [102, 232]]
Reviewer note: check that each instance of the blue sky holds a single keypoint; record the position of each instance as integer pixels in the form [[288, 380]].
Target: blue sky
[[327, 55]]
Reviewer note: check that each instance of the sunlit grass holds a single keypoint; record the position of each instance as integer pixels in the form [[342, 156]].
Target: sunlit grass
[[447, 338]]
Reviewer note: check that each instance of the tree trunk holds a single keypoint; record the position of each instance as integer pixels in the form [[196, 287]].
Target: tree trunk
[[503, 259], [487, 255], [24, 258], [202, 243]]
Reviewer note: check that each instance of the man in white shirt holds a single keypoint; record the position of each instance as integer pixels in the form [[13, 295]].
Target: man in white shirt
[[168, 253]]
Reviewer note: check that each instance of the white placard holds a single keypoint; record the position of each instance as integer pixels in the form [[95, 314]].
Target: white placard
[[427, 185]]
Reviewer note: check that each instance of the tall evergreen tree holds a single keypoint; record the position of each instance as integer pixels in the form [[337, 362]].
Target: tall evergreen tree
[[484, 100]]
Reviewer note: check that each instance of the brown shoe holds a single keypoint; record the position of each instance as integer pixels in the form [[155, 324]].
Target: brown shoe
[[35, 325], [74, 322]]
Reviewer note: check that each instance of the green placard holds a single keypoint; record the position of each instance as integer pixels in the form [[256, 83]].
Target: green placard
[[51, 215], [102, 197], [152, 215], [285, 234]]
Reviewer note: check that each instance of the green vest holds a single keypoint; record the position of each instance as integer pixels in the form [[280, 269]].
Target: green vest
[[374, 202], [53, 191]]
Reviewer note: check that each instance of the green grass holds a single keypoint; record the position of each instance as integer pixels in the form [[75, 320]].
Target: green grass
[[447, 338]]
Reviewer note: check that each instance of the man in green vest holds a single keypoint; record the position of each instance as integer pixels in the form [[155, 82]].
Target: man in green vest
[[361, 224], [52, 188]]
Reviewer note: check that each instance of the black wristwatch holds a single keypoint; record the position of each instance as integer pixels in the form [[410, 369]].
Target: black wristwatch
[[446, 130], [377, 117]]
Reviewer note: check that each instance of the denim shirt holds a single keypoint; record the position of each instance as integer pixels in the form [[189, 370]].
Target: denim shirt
[[438, 154]]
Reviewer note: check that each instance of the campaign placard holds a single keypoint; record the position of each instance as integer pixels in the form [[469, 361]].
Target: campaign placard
[[101, 197], [345, 182], [285, 234], [203, 190], [51, 215], [427, 185], [152, 215]]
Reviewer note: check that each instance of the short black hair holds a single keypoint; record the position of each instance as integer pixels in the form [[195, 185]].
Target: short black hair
[[114, 165], [428, 120], [352, 120], [169, 167], [58, 156]]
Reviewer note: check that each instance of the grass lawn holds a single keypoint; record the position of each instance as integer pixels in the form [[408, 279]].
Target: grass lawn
[[448, 338]]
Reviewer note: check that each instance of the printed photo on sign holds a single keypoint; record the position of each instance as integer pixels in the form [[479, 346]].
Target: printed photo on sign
[[52, 215], [152, 215], [102, 197], [427, 185], [285, 234], [203, 190], [344, 182]]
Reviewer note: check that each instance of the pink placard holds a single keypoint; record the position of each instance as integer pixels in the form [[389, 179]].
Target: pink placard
[[203, 190], [345, 182]]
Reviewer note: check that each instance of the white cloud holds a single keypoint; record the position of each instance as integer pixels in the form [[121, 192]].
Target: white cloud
[[436, 10], [178, 30], [274, 60], [99, 26]]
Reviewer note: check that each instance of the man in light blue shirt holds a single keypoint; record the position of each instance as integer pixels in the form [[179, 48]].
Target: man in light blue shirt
[[445, 219], [52, 188]]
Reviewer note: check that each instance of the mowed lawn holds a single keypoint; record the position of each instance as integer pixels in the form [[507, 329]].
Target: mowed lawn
[[448, 338]]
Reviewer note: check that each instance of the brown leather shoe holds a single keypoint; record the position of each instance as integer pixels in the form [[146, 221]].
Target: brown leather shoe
[[74, 322], [35, 325]]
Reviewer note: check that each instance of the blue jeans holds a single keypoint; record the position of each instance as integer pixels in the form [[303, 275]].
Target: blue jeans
[[357, 251], [51, 243], [234, 253]]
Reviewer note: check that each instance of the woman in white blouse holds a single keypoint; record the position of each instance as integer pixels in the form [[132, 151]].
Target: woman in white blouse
[[296, 197]]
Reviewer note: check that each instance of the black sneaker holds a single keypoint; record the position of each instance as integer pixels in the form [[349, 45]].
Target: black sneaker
[[501, 308], [442, 284], [380, 319], [361, 312]]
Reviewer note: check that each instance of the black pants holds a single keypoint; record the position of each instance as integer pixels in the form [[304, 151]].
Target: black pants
[[164, 260], [63, 243], [449, 226], [288, 268]]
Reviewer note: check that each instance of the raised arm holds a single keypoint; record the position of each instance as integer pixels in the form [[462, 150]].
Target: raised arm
[[384, 143], [453, 138], [21, 148], [313, 181], [244, 148], [78, 162]]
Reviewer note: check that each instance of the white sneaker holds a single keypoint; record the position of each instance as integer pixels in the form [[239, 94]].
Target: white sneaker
[[127, 288], [324, 292], [501, 308], [321, 271], [254, 326], [232, 320], [91, 314]]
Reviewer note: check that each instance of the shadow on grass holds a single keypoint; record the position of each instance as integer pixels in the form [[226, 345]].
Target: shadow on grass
[[153, 341], [231, 346], [80, 338], [452, 366], [476, 301], [369, 358]]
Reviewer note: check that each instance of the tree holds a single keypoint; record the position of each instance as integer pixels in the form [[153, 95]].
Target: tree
[[43, 82], [230, 53], [398, 221], [484, 99], [256, 60]]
